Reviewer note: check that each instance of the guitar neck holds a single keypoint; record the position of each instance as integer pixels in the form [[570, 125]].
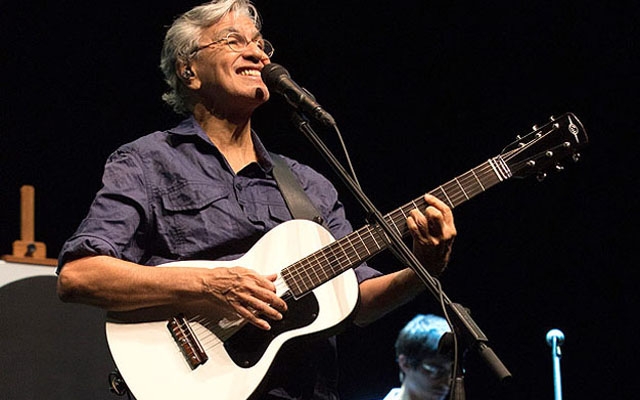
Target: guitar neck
[[351, 250]]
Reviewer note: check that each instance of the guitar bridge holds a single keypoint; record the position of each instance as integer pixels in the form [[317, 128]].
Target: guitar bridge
[[187, 342]]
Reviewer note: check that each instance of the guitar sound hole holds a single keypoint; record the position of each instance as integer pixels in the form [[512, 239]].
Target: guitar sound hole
[[247, 346]]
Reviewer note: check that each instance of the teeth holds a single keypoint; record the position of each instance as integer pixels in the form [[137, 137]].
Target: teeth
[[250, 72]]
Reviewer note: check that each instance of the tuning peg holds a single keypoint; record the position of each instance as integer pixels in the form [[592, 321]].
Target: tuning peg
[[552, 118], [540, 176], [548, 153], [576, 157], [559, 167], [535, 127]]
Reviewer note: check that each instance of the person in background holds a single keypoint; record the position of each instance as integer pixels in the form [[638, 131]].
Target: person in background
[[425, 359], [204, 190]]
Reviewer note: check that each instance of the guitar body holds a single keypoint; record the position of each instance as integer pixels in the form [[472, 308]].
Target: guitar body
[[239, 355]]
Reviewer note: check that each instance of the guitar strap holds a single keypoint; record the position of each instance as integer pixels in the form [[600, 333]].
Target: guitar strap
[[297, 200]]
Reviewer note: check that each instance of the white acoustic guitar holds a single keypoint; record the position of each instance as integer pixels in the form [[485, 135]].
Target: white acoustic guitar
[[187, 352]]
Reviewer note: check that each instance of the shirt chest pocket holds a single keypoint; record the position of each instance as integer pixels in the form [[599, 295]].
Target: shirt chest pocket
[[192, 215], [192, 197]]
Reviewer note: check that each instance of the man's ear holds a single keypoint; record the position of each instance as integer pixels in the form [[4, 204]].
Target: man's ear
[[187, 75], [403, 363]]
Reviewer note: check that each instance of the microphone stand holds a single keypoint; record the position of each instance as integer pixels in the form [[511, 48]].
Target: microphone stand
[[555, 337], [464, 327]]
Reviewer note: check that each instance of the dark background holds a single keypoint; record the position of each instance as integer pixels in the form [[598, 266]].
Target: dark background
[[421, 93]]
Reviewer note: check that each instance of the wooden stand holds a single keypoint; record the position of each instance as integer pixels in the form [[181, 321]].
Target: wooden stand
[[27, 250]]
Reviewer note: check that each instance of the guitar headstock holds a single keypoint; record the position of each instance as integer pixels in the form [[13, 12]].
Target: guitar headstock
[[546, 147]]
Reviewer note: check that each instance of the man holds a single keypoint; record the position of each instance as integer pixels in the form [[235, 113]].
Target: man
[[424, 358], [204, 190]]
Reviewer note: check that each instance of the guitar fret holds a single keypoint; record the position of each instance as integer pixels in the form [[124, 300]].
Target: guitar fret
[[403, 213], [415, 206], [395, 225], [336, 261], [467, 181], [447, 197], [318, 279], [344, 252], [308, 278], [362, 244], [289, 275], [461, 188], [382, 236], [304, 273], [348, 239], [478, 180], [453, 193]]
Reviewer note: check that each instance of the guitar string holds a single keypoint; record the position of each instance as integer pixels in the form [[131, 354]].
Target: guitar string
[[457, 194], [204, 329], [368, 242], [469, 185], [449, 194]]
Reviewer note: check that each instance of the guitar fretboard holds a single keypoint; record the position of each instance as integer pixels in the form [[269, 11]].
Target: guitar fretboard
[[351, 250]]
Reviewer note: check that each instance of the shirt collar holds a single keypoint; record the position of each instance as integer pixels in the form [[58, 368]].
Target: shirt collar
[[190, 127]]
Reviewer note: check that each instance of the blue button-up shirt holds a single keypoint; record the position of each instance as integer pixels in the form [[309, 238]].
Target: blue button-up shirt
[[172, 196]]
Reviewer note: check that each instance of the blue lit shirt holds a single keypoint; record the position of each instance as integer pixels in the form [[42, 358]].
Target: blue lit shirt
[[171, 196]]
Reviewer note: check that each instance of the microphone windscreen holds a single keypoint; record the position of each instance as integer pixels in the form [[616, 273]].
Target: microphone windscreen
[[272, 72]]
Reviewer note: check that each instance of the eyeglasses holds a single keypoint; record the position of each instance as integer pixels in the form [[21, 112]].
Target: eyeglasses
[[435, 371], [239, 43]]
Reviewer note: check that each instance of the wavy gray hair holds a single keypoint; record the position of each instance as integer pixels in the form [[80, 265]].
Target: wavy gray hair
[[183, 37]]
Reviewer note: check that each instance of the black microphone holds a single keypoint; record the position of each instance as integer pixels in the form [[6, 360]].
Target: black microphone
[[278, 80]]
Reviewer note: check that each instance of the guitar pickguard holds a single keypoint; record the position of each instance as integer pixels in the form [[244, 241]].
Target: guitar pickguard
[[247, 346]]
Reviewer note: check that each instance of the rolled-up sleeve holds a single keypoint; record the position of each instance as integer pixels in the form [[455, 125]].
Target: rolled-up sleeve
[[113, 225]]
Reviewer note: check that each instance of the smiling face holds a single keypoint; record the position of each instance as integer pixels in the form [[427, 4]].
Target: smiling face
[[224, 80]]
